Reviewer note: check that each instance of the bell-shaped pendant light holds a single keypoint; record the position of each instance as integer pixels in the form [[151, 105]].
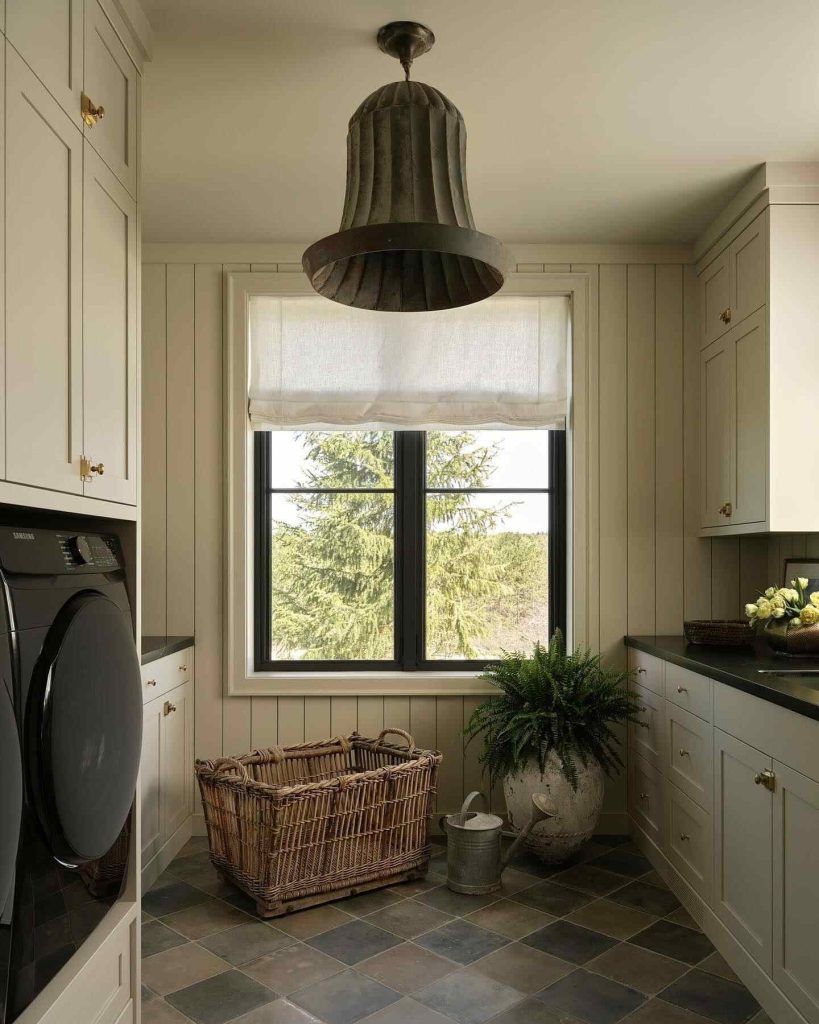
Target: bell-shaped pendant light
[[407, 240]]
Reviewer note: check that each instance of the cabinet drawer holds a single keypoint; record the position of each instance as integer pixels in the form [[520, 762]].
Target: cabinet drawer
[[646, 798], [647, 740], [689, 762], [649, 671], [688, 690], [688, 840], [158, 677]]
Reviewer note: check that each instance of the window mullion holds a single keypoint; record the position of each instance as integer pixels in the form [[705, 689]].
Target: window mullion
[[409, 483]]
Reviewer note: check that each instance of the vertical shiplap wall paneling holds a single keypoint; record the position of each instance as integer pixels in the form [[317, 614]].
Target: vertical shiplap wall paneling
[[697, 550], [237, 711], [474, 777], [154, 413], [264, 724], [317, 719], [668, 456], [449, 716], [725, 595], [180, 475], [343, 715], [640, 474], [291, 719], [371, 717], [208, 539], [397, 712]]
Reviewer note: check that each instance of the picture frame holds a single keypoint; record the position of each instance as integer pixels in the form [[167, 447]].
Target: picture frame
[[806, 567]]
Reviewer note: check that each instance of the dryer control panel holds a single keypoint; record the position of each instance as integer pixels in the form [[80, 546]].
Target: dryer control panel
[[56, 552]]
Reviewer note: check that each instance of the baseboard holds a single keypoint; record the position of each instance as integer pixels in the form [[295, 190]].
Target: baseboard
[[163, 857], [775, 1003]]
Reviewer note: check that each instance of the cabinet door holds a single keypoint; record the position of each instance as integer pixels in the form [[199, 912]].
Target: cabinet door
[[748, 256], [49, 36], [749, 344], [43, 286], [796, 895], [149, 779], [646, 736], [743, 826], [177, 758], [111, 83], [715, 298], [716, 420], [109, 333]]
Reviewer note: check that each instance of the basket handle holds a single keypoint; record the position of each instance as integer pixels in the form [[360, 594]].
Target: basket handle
[[398, 732], [232, 762]]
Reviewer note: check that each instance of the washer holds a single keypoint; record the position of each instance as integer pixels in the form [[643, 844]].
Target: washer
[[70, 740]]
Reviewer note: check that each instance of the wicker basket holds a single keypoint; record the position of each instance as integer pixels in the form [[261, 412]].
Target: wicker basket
[[296, 826], [719, 632]]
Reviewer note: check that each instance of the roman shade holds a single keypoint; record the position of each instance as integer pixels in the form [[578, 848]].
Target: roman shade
[[317, 365]]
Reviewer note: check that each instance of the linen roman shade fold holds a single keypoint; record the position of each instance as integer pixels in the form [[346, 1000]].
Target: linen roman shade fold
[[319, 365]]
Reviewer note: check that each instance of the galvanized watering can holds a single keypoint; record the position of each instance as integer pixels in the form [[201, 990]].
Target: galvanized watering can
[[474, 860]]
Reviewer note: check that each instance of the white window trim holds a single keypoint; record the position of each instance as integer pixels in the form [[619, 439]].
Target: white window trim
[[240, 677]]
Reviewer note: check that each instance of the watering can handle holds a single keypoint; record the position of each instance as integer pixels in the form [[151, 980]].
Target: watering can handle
[[468, 801]]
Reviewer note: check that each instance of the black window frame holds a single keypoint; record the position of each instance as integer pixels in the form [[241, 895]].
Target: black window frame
[[410, 491]]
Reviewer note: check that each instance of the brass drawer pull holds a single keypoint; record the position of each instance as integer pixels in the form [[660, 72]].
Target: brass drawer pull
[[682, 689], [766, 778], [684, 753], [684, 837], [641, 671], [90, 112], [183, 668], [150, 682], [726, 510], [168, 708], [644, 796]]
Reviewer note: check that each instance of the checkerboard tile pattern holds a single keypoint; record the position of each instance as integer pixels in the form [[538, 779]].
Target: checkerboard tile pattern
[[599, 941]]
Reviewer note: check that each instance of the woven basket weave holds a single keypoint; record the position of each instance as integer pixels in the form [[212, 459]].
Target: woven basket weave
[[301, 825], [719, 632]]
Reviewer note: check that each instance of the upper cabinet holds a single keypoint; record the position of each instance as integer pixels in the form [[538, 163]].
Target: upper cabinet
[[71, 258], [759, 364]]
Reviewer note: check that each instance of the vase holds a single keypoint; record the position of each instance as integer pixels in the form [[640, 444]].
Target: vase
[[803, 641], [575, 811]]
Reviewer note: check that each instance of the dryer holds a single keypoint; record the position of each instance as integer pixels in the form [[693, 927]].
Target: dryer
[[70, 690]]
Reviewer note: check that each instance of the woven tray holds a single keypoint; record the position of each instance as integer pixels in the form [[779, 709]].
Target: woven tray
[[719, 632]]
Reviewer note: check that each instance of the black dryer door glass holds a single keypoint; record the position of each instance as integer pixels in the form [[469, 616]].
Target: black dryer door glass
[[84, 718]]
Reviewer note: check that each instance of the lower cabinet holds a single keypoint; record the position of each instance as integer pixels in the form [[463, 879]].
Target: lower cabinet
[[166, 778]]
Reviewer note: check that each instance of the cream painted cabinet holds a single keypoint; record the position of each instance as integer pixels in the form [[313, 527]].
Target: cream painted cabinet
[[177, 756], [49, 36], [43, 257], [109, 333], [149, 780], [795, 892], [735, 283], [734, 425], [715, 298], [743, 830], [110, 84]]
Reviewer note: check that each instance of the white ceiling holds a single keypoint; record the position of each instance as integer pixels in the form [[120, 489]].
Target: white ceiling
[[588, 120]]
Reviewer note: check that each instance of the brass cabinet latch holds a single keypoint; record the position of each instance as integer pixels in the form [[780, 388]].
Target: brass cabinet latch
[[766, 778], [726, 510], [168, 708], [88, 469], [90, 112], [725, 315]]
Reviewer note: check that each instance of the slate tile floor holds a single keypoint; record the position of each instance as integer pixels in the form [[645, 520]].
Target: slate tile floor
[[598, 942]]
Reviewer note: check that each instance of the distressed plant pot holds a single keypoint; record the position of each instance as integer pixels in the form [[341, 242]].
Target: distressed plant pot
[[803, 641], [576, 812]]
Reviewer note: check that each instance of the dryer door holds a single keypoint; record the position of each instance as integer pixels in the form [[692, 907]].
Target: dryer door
[[84, 728]]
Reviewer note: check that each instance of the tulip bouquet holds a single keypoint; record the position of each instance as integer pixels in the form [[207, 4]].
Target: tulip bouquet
[[790, 607]]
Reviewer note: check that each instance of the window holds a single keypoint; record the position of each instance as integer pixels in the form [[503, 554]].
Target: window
[[407, 551]]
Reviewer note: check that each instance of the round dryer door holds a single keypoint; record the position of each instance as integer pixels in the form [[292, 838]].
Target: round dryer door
[[84, 725]]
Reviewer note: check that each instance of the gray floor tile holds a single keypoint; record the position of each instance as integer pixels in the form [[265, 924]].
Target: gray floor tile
[[638, 968], [171, 897], [288, 970], [160, 1012], [205, 919], [521, 967], [624, 863], [716, 964], [525, 860], [156, 938], [655, 1011], [514, 920], [221, 999], [246, 942], [353, 942], [368, 902], [196, 844], [681, 916], [612, 840], [280, 1011], [591, 997], [177, 968], [591, 879], [532, 1011], [712, 997], [655, 878], [414, 888], [407, 968], [675, 941], [407, 1011], [570, 942], [461, 941], [552, 899], [611, 919], [469, 998], [408, 918], [455, 902], [345, 998], [306, 923], [648, 898]]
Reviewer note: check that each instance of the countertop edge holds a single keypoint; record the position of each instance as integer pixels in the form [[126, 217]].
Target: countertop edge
[[172, 645], [755, 688]]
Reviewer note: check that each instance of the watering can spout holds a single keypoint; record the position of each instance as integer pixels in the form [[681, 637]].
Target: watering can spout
[[541, 810]]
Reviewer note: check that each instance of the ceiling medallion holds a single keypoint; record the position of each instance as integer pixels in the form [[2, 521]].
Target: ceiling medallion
[[407, 240]]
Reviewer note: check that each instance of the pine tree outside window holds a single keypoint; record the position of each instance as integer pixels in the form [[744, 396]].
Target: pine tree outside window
[[409, 551]]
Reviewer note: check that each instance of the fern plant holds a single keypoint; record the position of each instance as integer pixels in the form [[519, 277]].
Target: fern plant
[[553, 702]]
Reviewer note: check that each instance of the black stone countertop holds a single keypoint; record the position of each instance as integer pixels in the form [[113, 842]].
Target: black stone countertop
[[739, 667], [156, 647]]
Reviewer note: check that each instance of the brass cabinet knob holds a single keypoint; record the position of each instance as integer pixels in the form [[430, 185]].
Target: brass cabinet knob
[[168, 708], [150, 682], [725, 315], [684, 837], [91, 113], [726, 510], [684, 753], [99, 469], [644, 796], [766, 778], [183, 668], [641, 671], [682, 689], [88, 469]]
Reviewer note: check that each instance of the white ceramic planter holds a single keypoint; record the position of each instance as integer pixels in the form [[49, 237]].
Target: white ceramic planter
[[576, 811]]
